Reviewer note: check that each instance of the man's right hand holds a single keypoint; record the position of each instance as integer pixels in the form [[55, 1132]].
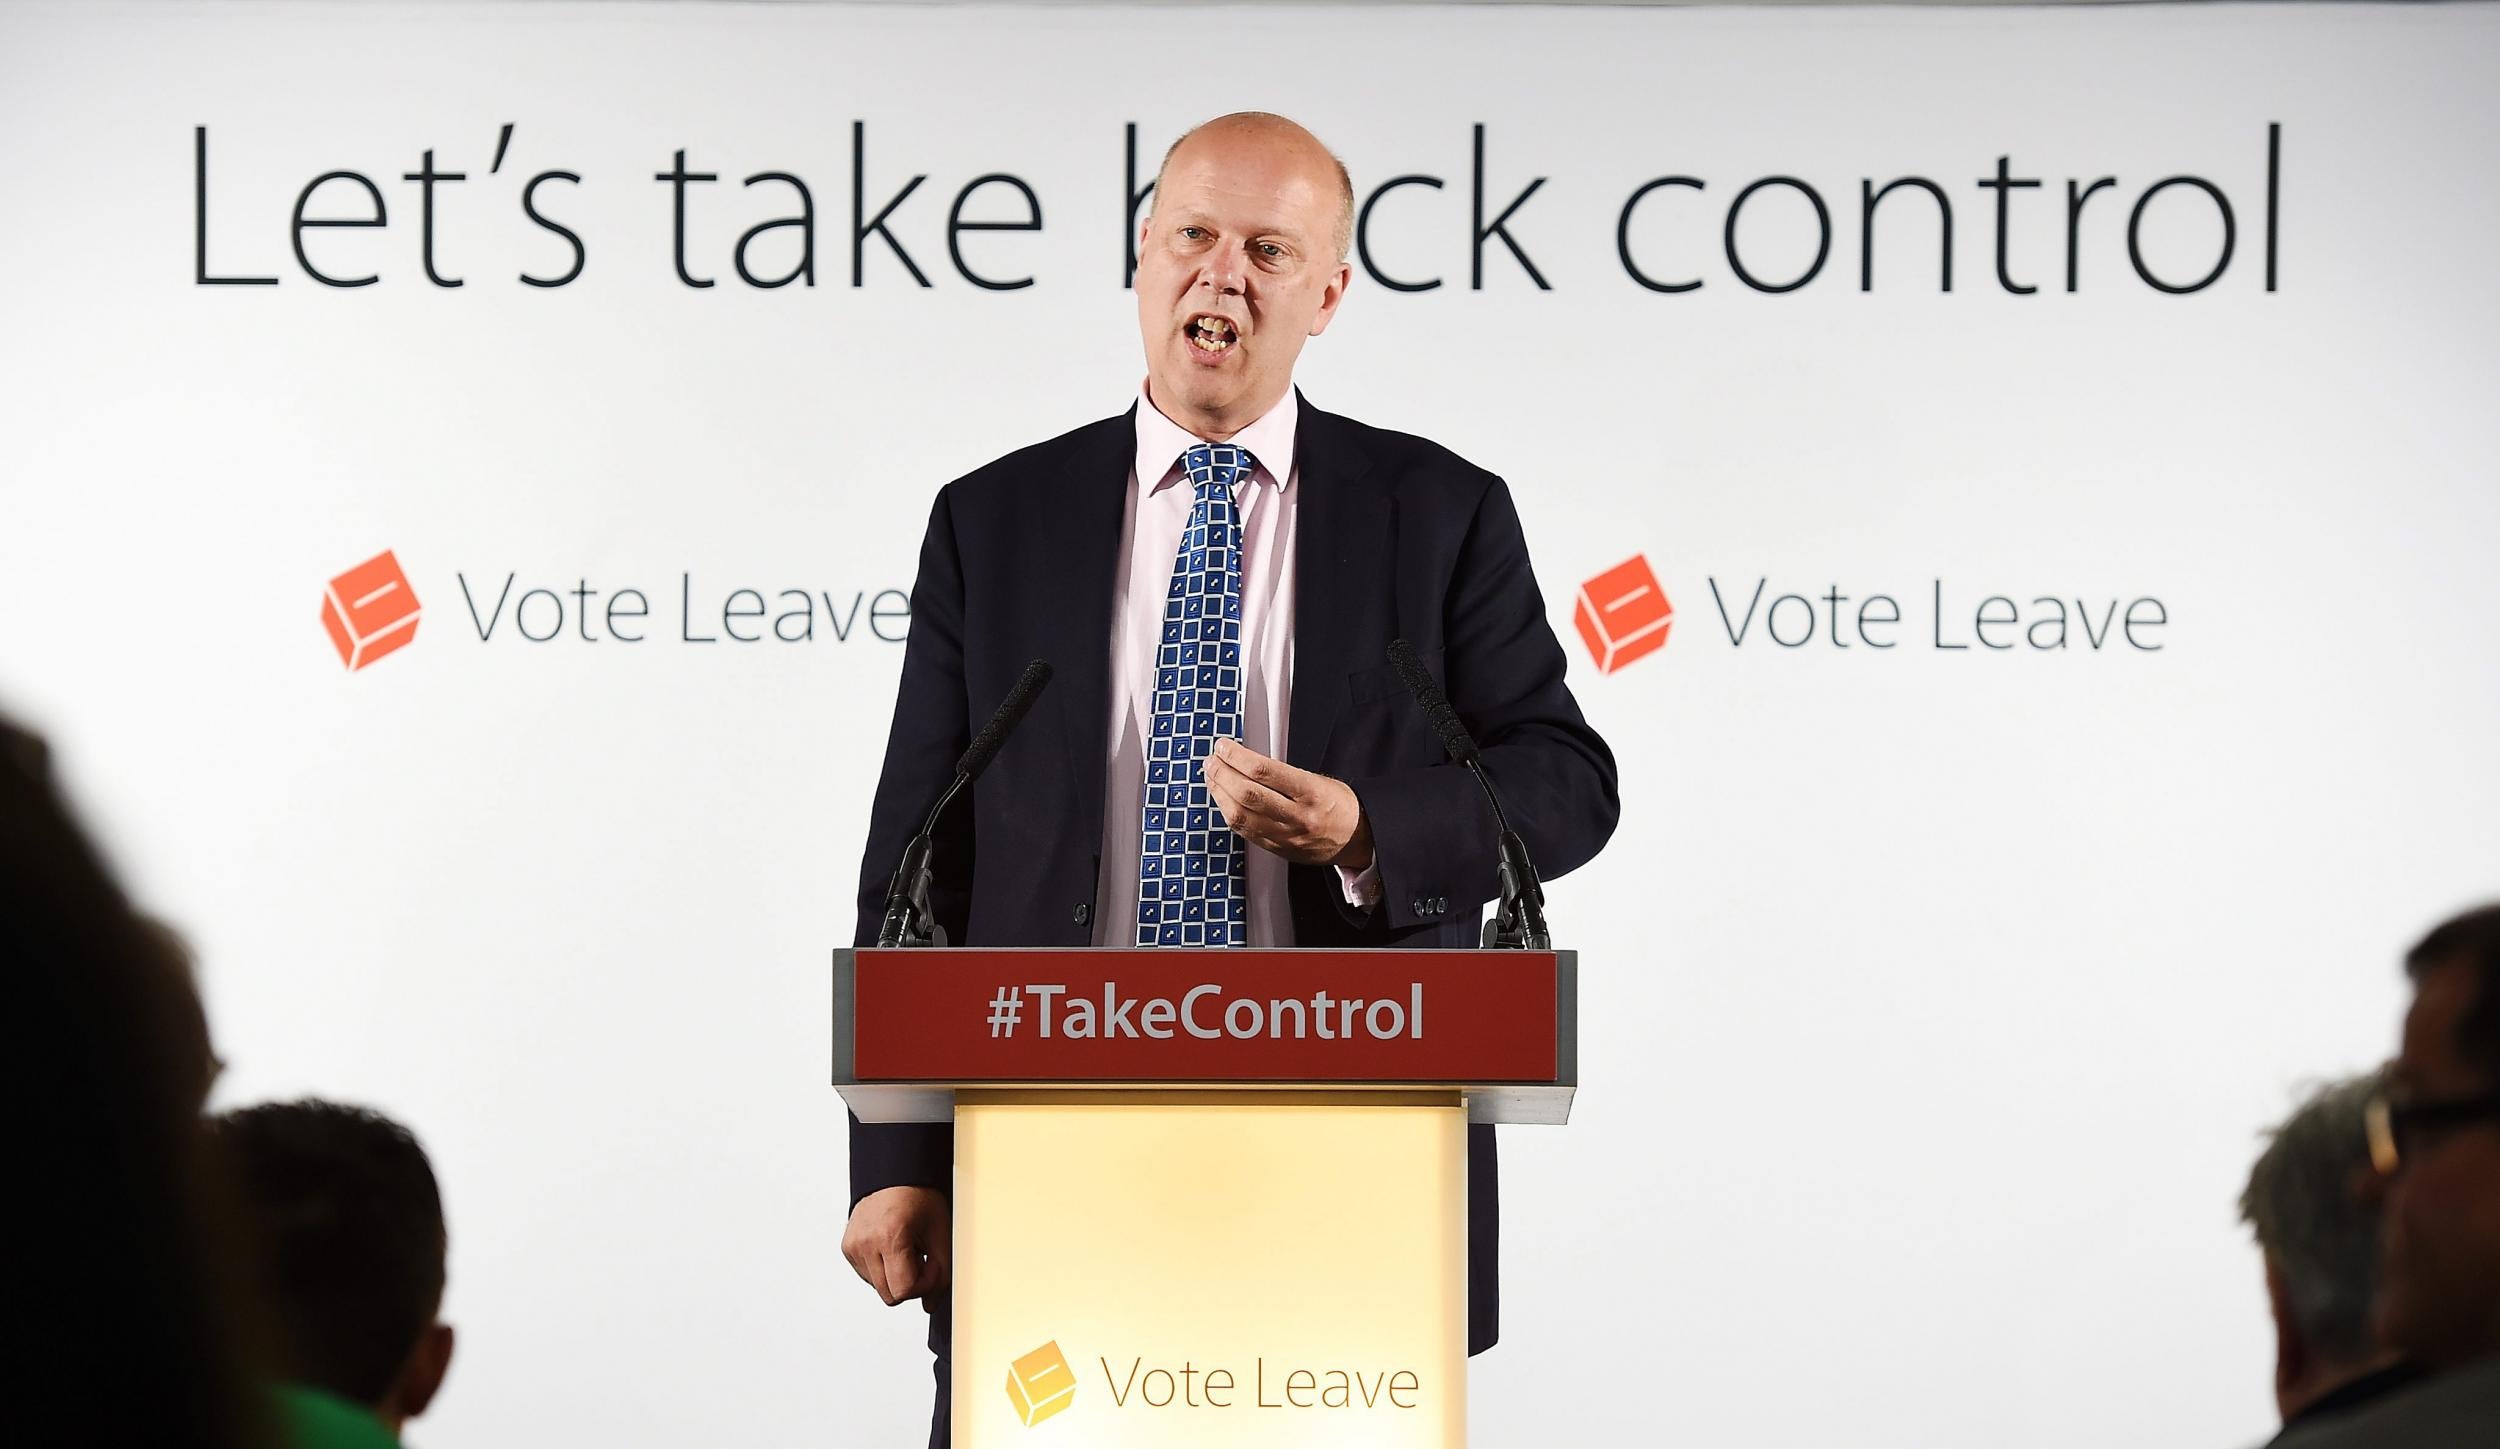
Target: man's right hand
[[899, 1241]]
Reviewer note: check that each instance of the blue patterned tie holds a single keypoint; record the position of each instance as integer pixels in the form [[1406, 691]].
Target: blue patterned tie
[[1190, 867]]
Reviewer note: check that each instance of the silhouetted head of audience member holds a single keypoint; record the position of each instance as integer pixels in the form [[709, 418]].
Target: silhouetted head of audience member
[[117, 1296], [2436, 1138], [2321, 1246], [346, 1250]]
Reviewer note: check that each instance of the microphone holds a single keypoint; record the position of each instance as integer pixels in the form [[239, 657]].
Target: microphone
[[908, 918], [1011, 712], [1520, 923]]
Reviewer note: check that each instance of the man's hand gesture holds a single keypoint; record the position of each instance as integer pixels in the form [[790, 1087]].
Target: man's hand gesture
[[1294, 813]]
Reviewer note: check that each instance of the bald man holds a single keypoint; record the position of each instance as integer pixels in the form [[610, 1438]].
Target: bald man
[[1220, 542]]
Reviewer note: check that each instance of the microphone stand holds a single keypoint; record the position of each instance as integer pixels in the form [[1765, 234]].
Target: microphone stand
[[909, 919], [1519, 923]]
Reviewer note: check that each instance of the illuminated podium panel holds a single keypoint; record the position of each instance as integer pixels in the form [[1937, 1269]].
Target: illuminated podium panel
[[1209, 1198]]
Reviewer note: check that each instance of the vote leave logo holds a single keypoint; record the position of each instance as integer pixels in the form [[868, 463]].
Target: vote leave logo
[[1040, 1384], [1623, 614], [370, 611]]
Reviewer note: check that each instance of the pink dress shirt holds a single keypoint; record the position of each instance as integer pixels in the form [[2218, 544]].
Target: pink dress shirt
[[1151, 524]]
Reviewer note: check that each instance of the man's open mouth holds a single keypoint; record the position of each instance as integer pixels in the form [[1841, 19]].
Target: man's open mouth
[[1210, 333]]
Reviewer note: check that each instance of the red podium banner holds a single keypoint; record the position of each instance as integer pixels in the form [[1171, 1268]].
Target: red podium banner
[[975, 1015]]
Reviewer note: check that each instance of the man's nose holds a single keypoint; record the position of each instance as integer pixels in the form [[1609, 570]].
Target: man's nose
[[1225, 269]]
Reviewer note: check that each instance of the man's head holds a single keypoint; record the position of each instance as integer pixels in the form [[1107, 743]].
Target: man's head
[[2321, 1243], [346, 1249], [1241, 260], [2441, 1302], [121, 1284]]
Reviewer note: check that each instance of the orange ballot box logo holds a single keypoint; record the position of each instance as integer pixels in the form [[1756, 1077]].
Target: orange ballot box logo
[[1040, 1384], [1623, 614], [370, 610]]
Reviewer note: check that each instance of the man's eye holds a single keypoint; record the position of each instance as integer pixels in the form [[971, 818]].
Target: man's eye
[[1271, 249], [1191, 232]]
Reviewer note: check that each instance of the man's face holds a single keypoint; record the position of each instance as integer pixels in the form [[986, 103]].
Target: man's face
[[2440, 1294], [1235, 268]]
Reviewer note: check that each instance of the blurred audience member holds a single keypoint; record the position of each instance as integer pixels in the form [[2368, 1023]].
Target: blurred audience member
[[346, 1250], [2435, 1140], [118, 1312], [2321, 1244]]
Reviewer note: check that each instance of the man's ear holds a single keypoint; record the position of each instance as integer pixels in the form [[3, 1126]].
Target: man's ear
[[1329, 299], [422, 1377]]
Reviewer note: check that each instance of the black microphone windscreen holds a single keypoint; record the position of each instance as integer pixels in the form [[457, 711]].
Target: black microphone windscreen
[[1003, 723], [1436, 705]]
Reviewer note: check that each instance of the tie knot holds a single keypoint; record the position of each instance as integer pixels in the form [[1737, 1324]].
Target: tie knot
[[1217, 465]]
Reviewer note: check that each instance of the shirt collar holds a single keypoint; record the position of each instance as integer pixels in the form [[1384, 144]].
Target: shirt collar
[[1161, 441]]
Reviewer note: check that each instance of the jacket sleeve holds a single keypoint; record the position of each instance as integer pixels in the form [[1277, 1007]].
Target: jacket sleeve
[[1502, 667], [932, 727]]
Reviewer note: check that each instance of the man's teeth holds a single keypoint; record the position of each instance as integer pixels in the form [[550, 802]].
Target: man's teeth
[[1210, 334]]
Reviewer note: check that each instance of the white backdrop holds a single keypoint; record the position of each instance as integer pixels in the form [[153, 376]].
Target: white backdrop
[[1933, 999]]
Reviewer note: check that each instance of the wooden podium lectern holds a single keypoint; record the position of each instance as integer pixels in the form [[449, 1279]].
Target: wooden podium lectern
[[1207, 1197]]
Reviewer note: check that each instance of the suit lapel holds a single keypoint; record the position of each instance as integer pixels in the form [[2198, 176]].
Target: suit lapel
[[1341, 543], [1080, 535]]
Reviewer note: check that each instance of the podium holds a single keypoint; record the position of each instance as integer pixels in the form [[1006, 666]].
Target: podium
[[1207, 1197]]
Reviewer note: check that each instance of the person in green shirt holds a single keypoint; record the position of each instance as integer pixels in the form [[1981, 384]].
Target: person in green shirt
[[311, 1419], [345, 1254]]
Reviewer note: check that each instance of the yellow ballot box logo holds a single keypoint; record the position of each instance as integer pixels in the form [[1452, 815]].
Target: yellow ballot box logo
[[1040, 1384]]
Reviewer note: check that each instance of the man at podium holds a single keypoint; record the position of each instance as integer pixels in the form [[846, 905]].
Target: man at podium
[[1226, 757]]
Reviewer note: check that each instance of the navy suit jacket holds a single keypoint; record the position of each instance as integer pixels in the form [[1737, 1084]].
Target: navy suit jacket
[[1395, 537]]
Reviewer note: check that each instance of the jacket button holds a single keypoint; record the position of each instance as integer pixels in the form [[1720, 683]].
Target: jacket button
[[1416, 905], [1440, 904], [1084, 912]]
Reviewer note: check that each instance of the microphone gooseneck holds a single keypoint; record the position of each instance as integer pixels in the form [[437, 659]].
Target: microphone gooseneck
[[1520, 922], [909, 921]]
